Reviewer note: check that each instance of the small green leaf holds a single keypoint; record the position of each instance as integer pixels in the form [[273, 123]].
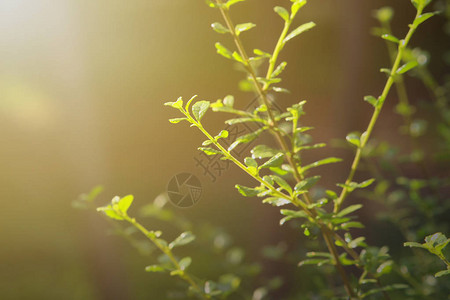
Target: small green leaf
[[306, 184], [442, 273], [232, 2], [189, 102], [280, 90], [243, 27], [414, 244], [353, 138], [372, 100], [237, 57], [390, 37], [178, 104], [282, 12], [185, 262], [296, 6], [223, 134], [349, 210], [262, 53], [228, 101], [276, 201], [177, 120], [406, 67], [124, 203], [292, 214], [246, 191], [223, 51], [300, 29], [279, 69], [210, 151], [252, 165], [321, 162], [422, 18], [199, 109], [263, 151], [207, 142], [154, 268], [354, 185], [183, 239], [384, 14], [246, 138], [219, 28], [282, 183], [275, 161], [110, 212]]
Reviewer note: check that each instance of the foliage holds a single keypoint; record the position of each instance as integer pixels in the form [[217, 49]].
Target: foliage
[[285, 181]]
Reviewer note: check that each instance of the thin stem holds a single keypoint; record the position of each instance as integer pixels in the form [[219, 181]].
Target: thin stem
[[185, 276], [273, 124], [376, 113]]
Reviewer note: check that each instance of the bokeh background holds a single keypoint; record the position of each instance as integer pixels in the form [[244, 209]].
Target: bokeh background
[[82, 87]]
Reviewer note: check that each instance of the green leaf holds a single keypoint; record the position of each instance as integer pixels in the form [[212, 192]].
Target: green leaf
[[292, 214], [232, 2], [282, 12], [199, 109], [353, 224], [353, 138], [414, 244], [300, 29], [177, 120], [155, 268], [185, 262], [263, 151], [442, 273], [349, 210], [178, 104], [228, 101], [315, 261], [246, 138], [354, 185], [385, 268], [219, 28], [280, 90], [210, 151], [275, 161], [183, 239], [321, 162], [276, 201], [223, 134], [189, 102], [279, 69], [243, 27], [306, 184], [282, 183], [422, 18], [125, 203], [372, 100], [296, 6], [252, 165], [246, 191], [406, 67], [384, 14], [110, 212], [223, 51], [243, 120], [237, 57], [420, 3], [262, 53], [390, 37]]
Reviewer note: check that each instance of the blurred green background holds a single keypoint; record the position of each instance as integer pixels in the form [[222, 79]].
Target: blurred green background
[[82, 87]]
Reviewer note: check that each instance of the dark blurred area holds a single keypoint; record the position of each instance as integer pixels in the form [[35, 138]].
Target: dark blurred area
[[82, 87]]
